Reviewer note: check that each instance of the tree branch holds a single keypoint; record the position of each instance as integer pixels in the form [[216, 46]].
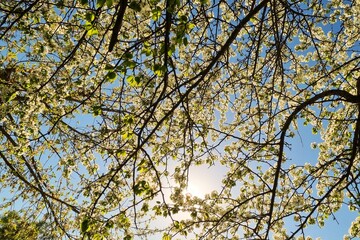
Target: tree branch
[[336, 92]]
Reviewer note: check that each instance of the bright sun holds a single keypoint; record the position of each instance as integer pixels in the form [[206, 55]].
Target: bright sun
[[196, 189], [203, 180]]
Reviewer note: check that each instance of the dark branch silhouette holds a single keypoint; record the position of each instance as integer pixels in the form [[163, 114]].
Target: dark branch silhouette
[[118, 23]]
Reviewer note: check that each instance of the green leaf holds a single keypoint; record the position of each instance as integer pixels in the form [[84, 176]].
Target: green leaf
[[175, 210], [141, 187], [135, 6], [121, 153], [109, 67], [129, 64], [166, 237], [158, 70], [111, 76], [109, 3], [85, 225], [177, 224], [96, 110], [183, 19], [12, 96], [190, 26], [98, 236], [83, 2], [128, 55], [146, 51], [128, 119], [90, 16], [92, 32], [156, 13], [134, 81], [127, 237], [11, 55], [127, 135], [100, 3], [185, 41], [88, 25], [171, 50], [314, 130], [145, 207], [60, 4]]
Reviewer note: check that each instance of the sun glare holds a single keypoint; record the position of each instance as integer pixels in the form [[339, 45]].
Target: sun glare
[[196, 189], [203, 180]]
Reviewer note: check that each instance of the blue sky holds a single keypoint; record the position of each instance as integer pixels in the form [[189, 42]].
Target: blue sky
[[301, 151]]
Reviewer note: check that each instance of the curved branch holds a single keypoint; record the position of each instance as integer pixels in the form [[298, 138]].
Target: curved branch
[[335, 92]]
